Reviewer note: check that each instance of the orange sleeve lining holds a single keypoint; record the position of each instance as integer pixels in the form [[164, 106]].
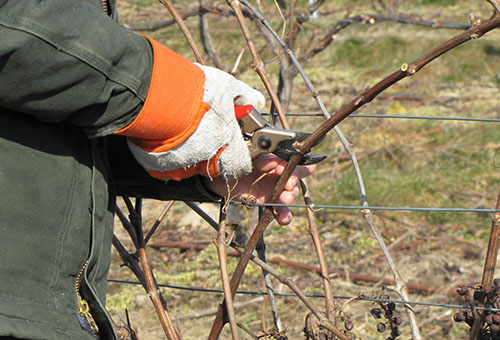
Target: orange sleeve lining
[[173, 108]]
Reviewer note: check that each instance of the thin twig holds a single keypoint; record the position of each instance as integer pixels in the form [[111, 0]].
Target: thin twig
[[489, 266], [246, 330], [401, 284], [206, 38], [158, 221], [313, 231], [129, 260], [199, 56], [258, 64], [261, 253], [221, 251], [151, 286], [368, 95], [237, 62], [142, 269], [283, 279], [215, 332], [495, 5]]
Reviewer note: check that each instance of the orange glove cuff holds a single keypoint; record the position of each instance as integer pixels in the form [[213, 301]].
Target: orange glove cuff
[[207, 168], [172, 110]]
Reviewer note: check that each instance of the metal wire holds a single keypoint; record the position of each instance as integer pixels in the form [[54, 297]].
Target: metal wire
[[359, 207], [346, 207], [359, 298], [465, 119]]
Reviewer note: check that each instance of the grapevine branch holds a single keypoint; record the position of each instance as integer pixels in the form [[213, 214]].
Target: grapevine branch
[[489, 266], [221, 251], [258, 63], [206, 37], [401, 283], [277, 106], [367, 96], [141, 267], [326, 324], [261, 253], [178, 19], [404, 71], [282, 278], [325, 275], [495, 5], [219, 322], [228, 289]]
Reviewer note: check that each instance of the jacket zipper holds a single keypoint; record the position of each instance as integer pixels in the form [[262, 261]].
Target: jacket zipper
[[105, 6], [83, 306]]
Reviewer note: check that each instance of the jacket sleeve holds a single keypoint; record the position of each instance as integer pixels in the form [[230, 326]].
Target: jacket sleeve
[[131, 179], [67, 60]]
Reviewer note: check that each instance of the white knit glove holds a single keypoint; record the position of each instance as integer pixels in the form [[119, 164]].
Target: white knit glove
[[218, 133]]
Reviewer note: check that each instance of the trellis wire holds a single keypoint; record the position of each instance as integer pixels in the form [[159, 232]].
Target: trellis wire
[[359, 207], [359, 298], [465, 119]]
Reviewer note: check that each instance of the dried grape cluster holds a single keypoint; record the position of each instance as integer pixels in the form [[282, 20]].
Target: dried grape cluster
[[487, 296], [313, 332], [348, 326], [386, 311]]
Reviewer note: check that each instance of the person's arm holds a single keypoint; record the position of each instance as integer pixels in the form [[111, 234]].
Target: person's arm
[[131, 179], [66, 60]]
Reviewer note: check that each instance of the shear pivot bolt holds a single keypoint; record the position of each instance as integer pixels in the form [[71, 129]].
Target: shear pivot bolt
[[265, 142]]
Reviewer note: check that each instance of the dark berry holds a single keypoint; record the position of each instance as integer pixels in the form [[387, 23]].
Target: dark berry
[[496, 282], [395, 332], [459, 317], [348, 325], [376, 313], [381, 327], [477, 295], [397, 320], [462, 290], [467, 297], [391, 306], [489, 319]]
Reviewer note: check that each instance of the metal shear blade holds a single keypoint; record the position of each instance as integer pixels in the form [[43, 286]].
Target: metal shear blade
[[262, 137], [286, 150]]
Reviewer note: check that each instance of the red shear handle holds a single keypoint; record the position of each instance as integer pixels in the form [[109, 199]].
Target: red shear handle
[[241, 111]]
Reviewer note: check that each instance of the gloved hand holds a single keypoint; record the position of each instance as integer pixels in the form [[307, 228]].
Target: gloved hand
[[208, 140]]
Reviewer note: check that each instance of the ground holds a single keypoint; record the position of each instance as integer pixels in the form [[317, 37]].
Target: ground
[[404, 162]]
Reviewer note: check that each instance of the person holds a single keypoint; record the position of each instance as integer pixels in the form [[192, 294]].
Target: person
[[90, 110]]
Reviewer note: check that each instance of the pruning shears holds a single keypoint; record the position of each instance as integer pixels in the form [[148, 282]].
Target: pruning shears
[[261, 137]]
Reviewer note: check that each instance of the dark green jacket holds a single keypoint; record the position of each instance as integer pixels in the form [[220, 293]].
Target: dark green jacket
[[69, 77]]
